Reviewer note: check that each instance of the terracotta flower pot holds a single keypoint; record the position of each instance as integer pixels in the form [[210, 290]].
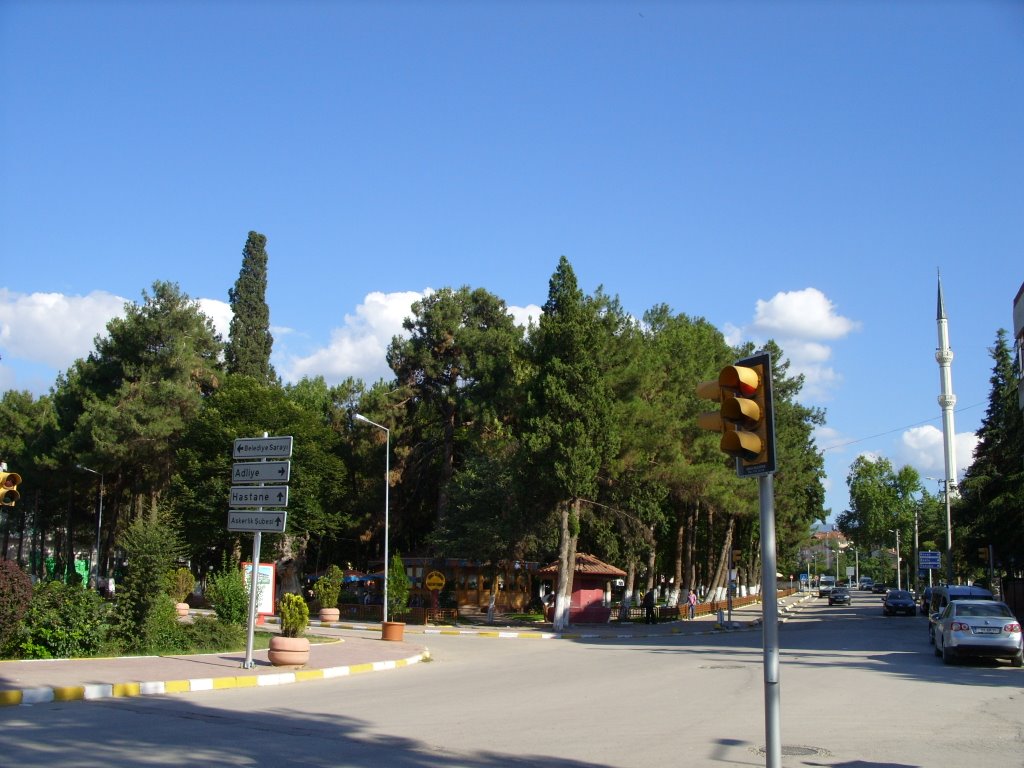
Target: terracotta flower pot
[[288, 651], [329, 614], [181, 608], [393, 631]]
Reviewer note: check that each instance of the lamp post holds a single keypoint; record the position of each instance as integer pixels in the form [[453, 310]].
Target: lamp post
[[897, 532], [946, 484], [387, 477], [99, 522]]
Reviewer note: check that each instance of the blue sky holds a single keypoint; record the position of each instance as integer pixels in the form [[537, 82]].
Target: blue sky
[[796, 170]]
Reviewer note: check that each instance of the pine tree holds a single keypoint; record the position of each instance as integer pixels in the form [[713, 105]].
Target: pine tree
[[250, 342], [992, 505]]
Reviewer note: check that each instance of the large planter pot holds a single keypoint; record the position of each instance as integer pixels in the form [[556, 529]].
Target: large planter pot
[[329, 614], [288, 651], [181, 608], [393, 631]]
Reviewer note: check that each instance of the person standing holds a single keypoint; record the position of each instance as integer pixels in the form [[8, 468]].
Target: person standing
[[649, 600], [691, 600]]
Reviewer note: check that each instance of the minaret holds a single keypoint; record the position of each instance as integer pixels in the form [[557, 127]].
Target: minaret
[[947, 400]]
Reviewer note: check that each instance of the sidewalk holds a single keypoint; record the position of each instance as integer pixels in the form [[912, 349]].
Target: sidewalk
[[40, 681]]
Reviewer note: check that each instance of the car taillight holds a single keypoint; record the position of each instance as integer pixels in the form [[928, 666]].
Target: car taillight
[[1014, 627], [959, 626]]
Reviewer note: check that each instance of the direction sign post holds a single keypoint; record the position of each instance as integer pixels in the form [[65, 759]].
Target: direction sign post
[[258, 496]]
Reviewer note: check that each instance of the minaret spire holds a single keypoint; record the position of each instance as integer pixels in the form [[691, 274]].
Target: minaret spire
[[947, 400]]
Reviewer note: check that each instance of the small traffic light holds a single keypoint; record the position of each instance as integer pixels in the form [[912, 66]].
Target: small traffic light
[[983, 554], [9, 488], [746, 418]]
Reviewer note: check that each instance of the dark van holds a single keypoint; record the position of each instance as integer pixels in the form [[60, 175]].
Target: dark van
[[944, 595]]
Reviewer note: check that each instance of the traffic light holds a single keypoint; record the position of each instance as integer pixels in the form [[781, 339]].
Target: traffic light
[[9, 488], [983, 554], [746, 418]]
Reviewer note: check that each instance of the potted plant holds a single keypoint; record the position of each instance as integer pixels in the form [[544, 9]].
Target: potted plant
[[179, 583], [398, 600], [326, 590], [291, 647]]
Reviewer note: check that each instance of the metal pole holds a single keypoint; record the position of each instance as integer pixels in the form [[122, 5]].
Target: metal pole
[[898, 583], [257, 539], [770, 624], [99, 526], [387, 483], [949, 539]]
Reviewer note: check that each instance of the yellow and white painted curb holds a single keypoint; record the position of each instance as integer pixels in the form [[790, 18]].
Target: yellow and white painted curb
[[119, 690]]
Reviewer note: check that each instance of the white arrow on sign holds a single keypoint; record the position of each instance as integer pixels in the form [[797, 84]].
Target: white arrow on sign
[[261, 472], [270, 522], [258, 496]]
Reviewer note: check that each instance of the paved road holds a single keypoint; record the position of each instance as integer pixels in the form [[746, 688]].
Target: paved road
[[857, 690]]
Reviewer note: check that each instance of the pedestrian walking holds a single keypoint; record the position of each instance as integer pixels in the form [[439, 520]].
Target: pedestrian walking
[[649, 600], [691, 600]]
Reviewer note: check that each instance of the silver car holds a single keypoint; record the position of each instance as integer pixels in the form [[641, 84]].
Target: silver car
[[983, 628]]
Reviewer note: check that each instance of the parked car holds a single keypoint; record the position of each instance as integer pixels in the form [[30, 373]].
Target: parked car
[[983, 628], [839, 595], [898, 601], [926, 600], [943, 595], [879, 588]]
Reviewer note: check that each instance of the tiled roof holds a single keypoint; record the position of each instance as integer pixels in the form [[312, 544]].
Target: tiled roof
[[587, 564]]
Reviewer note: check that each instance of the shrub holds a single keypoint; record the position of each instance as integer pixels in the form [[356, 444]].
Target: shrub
[[398, 587], [179, 583], [151, 548], [63, 621], [328, 587], [294, 615], [15, 595], [162, 633], [207, 635], [228, 594]]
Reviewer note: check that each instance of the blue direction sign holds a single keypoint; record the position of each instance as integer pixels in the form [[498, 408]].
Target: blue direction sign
[[261, 472], [258, 496], [930, 561], [262, 448]]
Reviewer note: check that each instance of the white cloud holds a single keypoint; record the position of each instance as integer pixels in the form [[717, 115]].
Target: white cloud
[[806, 314], [44, 333], [52, 329], [359, 346], [799, 321], [219, 312], [922, 448]]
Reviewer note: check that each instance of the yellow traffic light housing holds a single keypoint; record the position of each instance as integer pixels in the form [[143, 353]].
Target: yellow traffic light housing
[[9, 488], [746, 416]]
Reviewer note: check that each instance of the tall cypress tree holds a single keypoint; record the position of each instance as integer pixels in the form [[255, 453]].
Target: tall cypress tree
[[249, 342]]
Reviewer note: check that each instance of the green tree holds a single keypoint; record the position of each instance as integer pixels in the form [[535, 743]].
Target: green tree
[[249, 339], [991, 507], [125, 408], [455, 369], [882, 501], [567, 431]]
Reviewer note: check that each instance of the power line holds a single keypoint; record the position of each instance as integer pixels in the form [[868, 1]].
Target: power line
[[897, 429]]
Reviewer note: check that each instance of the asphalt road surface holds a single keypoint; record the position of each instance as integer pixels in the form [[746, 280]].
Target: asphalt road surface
[[858, 690]]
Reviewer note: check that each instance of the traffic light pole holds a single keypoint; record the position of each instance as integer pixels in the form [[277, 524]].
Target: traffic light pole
[[770, 623]]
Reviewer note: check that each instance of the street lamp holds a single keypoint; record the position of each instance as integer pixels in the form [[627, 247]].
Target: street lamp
[[897, 532], [99, 523], [387, 477]]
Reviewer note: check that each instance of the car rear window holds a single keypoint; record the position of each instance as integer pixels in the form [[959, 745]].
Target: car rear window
[[983, 610], [900, 595]]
